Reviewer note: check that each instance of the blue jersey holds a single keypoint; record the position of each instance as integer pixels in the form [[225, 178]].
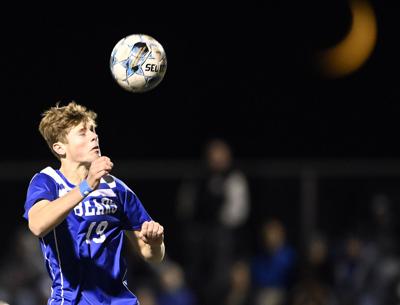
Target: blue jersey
[[83, 253]]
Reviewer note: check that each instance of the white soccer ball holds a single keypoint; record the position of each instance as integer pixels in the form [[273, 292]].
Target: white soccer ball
[[138, 63]]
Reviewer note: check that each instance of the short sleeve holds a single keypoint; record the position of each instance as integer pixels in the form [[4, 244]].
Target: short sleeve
[[134, 212], [41, 187]]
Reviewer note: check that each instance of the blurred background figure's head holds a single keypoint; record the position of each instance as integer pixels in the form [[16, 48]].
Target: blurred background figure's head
[[317, 251], [240, 275], [146, 295], [273, 235], [174, 290], [218, 155], [353, 247], [171, 276], [381, 209]]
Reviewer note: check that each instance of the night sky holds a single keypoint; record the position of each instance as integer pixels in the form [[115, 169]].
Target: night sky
[[244, 73]]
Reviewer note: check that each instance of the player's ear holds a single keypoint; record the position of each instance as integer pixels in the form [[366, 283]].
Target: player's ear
[[59, 148]]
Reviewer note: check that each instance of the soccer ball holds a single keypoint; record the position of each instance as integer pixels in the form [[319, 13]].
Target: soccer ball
[[138, 63]]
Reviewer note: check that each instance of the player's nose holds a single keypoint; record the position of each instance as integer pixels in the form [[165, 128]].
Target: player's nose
[[94, 138]]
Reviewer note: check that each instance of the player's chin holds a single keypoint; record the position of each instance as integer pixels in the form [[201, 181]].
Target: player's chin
[[93, 155]]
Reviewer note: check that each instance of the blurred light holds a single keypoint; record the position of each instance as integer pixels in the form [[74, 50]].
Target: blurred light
[[352, 52]]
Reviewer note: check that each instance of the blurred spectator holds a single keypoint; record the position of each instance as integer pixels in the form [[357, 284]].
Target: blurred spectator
[[318, 264], [213, 210], [23, 280], [315, 283], [240, 290], [146, 295], [368, 268], [352, 268], [382, 228], [174, 290], [383, 252], [273, 267]]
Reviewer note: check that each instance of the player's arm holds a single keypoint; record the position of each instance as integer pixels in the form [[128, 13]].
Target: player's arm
[[45, 215], [149, 241]]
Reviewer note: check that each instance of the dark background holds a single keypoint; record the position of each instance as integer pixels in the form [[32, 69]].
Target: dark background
[[245, 72]]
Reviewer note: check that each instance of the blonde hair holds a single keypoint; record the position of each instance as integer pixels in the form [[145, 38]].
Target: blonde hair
[[57, 122]]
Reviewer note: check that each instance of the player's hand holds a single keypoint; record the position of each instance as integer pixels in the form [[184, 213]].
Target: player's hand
[[98, 169], [152, 233]]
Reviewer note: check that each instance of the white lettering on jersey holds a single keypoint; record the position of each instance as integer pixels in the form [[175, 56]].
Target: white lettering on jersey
[[96, 206]]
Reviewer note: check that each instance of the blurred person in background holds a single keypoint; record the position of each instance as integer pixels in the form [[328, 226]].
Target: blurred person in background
[[213, 210], [382, 250], [273, 267], [367, 267], [173, 287], [353, 267], [23, 280], [146, 294], [382, 229], [240, 291], [314, 283]]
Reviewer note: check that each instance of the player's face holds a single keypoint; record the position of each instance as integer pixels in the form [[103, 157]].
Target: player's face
[[83, 143]]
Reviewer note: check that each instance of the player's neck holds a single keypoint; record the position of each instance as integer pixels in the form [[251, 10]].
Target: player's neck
[[74, 172]]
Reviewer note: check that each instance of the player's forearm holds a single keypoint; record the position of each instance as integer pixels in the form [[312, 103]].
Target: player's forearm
[[153, 254], [45, 217]]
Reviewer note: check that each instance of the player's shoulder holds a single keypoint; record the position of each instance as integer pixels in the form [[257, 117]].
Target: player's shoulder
[[121, 185], [41, 177]]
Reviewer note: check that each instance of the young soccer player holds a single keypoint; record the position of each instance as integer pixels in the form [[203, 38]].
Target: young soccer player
[[81, 214]]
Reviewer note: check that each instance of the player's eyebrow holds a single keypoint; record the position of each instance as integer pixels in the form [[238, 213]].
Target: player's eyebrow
[[88, 126], [83, 128]]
